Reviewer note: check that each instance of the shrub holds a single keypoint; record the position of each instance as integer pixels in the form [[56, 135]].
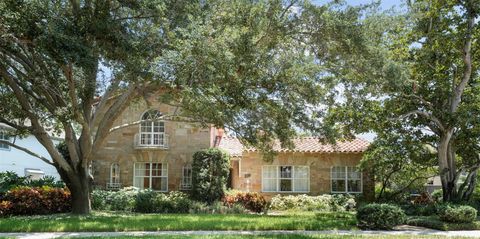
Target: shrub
[[210, 171], [99, 199], [437, 195], [10, 180], [5, 207], [457, 213], [304, 202], [216, 208], [152, 202], [122, 200], [251, 201], [380, 216], [49, 181], [31, 201], [419, 209]]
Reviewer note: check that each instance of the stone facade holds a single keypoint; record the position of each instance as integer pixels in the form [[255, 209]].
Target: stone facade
[[186, 138]]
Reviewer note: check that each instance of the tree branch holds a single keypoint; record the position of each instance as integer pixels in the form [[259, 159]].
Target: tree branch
[[26, 151]]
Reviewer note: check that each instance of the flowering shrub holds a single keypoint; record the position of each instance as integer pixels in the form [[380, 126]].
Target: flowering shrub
[[216, 208], [313, 203], [31, 201], [251, 201]]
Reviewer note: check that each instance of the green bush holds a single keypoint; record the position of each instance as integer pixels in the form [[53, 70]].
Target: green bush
[[10, 180], [380, 216], [216, 208], [419, 209], [122, 200], [210, 171], [328, 203], [457, 213], [153, 202]]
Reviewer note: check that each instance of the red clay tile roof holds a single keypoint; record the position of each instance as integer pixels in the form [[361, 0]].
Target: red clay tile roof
[[302, 144]]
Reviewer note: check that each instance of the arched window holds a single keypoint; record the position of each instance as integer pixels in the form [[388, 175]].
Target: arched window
[[152, 129], [115, 173]]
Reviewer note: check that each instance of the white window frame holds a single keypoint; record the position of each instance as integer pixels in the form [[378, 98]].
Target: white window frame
[[115, 166], [293, 178], [149, 137], [345, 179], [4, 136], [186, 183], [150, 177]]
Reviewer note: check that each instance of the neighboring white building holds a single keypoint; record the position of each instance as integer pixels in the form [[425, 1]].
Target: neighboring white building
[[12, 159]]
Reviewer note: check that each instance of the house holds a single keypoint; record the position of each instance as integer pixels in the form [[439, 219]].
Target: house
[[158, 155], [23, 164]]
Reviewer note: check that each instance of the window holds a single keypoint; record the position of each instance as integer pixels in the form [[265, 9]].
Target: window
[[151, 175], [186, 178], [115, 173], [285, 178], [152, 131], [4, 136], [346, 180]]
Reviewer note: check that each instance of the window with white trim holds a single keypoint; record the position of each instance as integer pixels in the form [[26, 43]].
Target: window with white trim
[[346, 179], [276, 178], [186, 177], [115, 173], [6, 137], [152, 131], [151, 175]]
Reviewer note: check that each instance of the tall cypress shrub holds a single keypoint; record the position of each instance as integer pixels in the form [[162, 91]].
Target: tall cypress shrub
[[210, 171]]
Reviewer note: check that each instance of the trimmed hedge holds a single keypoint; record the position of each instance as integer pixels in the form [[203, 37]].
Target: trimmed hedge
[[434, 222], [380, 216], [457, 213], [327, 203], [34, 201]]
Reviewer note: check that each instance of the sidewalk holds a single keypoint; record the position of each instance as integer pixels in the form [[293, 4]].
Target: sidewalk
[[428, 232]]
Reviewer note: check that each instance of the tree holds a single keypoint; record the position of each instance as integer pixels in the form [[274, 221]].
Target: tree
[[74, 66], [400, 165], [210, 170], [426, 86]]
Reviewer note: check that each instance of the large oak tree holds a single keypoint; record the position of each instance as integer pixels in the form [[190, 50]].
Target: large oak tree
[[260, 68]]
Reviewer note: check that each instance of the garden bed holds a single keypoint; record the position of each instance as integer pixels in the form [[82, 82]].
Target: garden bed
[[434, 222]]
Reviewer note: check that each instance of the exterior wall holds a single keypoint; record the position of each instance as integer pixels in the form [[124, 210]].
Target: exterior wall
[[18, 161], [320, 168], [184, 140]]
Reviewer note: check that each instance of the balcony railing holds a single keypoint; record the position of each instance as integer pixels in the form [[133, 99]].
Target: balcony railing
[[113, 186], [151, 141]]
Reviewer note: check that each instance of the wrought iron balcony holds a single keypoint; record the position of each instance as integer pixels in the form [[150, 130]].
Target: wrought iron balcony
[[151, 141]]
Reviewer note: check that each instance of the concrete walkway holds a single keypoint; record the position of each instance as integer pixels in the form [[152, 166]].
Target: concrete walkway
[[427, 232]]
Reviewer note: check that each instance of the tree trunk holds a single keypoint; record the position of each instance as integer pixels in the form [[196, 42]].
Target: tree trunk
[[79, 184], [445, 163]]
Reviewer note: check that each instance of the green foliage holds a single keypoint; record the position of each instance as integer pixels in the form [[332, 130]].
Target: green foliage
[[32, 201], [210, 169], [153, 202], [252, 201], [401, 165], [9, 180], [217, 208], [380, 216], [434, 222], [457, 213], [328, 203]]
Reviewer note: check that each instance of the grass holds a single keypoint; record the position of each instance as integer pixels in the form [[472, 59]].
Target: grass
[[435, 223], [109, 221], [291, 236]]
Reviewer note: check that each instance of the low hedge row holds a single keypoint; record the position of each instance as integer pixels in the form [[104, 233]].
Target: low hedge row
[[380, 216], [331, 203], [34, 201], [147, 201]]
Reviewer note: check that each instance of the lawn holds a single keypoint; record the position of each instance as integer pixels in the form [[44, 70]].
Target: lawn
[[291, 236], [109, 221]]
